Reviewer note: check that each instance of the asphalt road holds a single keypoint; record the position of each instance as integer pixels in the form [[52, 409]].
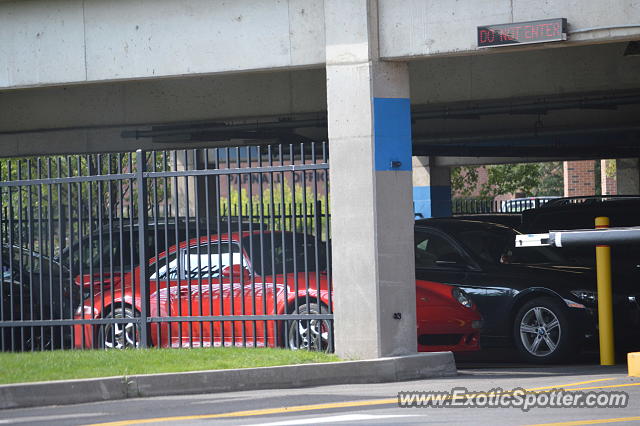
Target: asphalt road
[[364, 404]]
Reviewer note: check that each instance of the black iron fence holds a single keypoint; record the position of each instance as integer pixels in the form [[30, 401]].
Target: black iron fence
[[474, 206], [208, 247], [481, 205]]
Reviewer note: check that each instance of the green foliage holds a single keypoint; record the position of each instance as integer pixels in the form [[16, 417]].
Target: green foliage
[[531, 179], [464, 180], [610, 168], [511, 178], [278, 203], [551, 179]]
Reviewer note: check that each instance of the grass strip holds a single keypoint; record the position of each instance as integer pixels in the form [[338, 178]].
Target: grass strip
[[64, 365]]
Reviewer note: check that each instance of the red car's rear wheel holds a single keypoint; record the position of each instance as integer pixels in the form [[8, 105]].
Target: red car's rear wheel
[[311, 334], [119, 335]]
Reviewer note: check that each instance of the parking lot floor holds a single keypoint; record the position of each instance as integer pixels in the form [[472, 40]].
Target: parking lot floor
[[370, 403]]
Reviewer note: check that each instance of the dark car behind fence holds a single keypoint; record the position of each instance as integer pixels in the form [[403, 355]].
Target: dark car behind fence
[[235, 249]]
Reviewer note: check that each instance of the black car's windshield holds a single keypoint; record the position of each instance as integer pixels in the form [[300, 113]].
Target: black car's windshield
[[497, 245], [284, 252]]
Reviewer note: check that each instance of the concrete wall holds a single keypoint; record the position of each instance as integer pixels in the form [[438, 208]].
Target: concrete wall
[[72, 41], [628, 176], [410, 28], [69, 41]]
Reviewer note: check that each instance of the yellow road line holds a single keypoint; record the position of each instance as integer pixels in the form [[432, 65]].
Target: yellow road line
[[624, 385], [591, 422], [572, 384], [258, 412], [297, 408]]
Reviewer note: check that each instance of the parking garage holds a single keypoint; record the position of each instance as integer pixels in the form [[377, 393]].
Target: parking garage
[[400, 93]]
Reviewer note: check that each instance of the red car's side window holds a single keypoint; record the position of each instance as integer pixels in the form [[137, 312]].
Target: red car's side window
[[165, 268], [209, 260]]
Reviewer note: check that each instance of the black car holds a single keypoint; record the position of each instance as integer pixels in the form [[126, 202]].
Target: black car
[[513, 220], [528, 297], [580, 213], [35, 288]]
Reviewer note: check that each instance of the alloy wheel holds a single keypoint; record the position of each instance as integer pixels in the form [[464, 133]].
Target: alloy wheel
[[540, 331]]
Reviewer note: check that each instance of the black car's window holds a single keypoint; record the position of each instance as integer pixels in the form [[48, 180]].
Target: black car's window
[[434, 251], [93, 254], [204, 265], [285, 252], [49, 267], [30, 262]]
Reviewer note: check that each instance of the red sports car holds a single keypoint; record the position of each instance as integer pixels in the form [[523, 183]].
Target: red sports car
[[205, 293]]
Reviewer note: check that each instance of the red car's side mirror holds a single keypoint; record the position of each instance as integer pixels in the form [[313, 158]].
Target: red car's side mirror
[[237, 271]]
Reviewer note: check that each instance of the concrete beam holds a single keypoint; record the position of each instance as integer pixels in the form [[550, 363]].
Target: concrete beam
[[414, 28], [75, 41], [163, 101], [70, 41]]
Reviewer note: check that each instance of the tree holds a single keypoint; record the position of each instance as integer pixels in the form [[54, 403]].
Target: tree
[[531, 179], [511, 178]]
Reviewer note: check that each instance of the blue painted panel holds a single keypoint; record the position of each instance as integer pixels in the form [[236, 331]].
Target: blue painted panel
[[431, 201], [422, 201], [392, 133]]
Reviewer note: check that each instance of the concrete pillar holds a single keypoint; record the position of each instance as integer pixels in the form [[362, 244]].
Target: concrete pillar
[[431, 189], [579, 178], [628, 176], [369, 124]]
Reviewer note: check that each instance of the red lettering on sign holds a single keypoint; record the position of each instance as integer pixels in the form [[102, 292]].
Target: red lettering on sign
[[522, 32], [548, 29], [534, 31], [516, 32]]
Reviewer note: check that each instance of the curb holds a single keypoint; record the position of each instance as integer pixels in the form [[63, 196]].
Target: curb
[[633, 362], [410, 367]]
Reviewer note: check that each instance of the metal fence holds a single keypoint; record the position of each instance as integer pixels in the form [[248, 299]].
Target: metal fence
[[190, 248], [480, 205], [474, 206]]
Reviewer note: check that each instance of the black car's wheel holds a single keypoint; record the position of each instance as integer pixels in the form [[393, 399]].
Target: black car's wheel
[[311, 334], [541, 331], [119, 335]]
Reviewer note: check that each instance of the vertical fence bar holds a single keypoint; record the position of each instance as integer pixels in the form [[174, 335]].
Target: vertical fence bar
[[252, 277], [198, 245], [142, 241], [188, 270], [240, 247]]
